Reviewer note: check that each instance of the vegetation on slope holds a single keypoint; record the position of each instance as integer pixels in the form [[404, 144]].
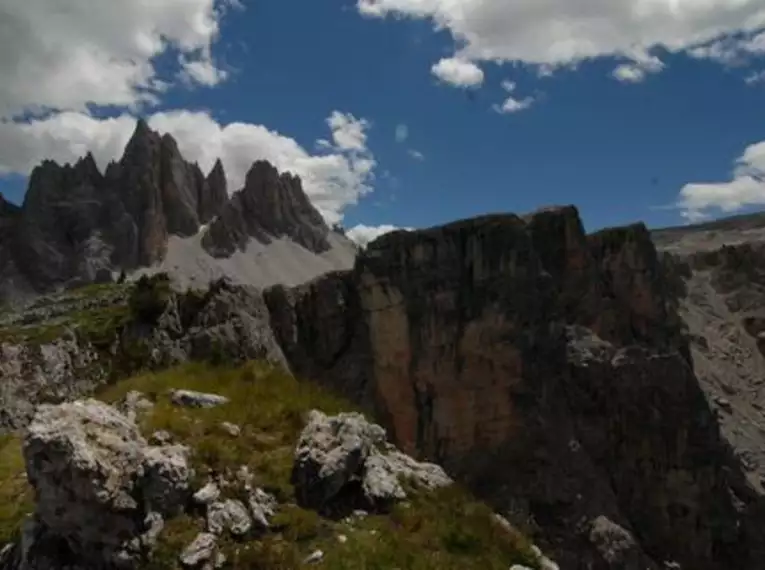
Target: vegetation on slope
[[445, 529], [94, 311]]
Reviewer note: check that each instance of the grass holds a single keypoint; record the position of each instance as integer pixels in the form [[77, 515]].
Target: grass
[[15, 492], [445, 529]]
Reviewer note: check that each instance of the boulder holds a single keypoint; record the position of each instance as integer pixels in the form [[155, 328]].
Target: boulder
[[343, 462], [101, 490]]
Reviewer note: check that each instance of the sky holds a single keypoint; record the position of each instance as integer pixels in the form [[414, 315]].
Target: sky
[[408, 113]]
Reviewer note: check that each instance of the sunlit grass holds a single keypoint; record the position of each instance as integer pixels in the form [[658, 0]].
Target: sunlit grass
[[446, 529]]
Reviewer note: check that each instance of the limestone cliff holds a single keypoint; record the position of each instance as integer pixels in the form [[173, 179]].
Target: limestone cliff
[[547, 368]]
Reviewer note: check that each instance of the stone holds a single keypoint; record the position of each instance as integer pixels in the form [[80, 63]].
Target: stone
[[617, 547], [207, 494], [201, 549], [229, 515], [335, 451], [134, 405], [262, 506], [191, 399], [232, 429], [161, 437], [88, 463], [314, 557]]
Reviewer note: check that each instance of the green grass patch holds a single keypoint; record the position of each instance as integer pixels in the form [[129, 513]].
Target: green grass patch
[[16, 498], [446, 529]]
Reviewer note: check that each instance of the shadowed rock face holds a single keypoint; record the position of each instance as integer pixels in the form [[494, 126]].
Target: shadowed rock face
[[270, 205], [545, 368]]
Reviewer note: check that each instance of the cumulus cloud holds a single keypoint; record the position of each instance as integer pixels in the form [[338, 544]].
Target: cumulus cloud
[[348, 132], [416, 154], [333, 179], [513, 104], [557, 33], [363, 235], [67, 55], [458, 72], [746, 187]]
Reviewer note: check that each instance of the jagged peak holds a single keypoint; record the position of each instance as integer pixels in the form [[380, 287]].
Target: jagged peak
[[87, 165], [169, 142], [217, 170], [141, 138]]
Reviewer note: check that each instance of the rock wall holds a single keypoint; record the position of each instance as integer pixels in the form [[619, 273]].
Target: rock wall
[[544, 367]]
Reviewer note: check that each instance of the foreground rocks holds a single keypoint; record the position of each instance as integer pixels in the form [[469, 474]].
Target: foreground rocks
[[343, 463], [102, 493]]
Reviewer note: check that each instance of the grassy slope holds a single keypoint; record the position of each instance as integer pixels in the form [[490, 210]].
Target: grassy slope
[[97, 323], [444, 529]]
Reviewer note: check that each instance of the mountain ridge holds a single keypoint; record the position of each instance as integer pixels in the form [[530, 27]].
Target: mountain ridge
[[79, 225]]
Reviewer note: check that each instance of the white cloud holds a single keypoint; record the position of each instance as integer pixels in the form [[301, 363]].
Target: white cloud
[[333, 179], [638, 69], [512, 104], [458, 72], [201, 70], [553, 33], [64, 55], [416, 154], [755, 77], [731, 50], [348, 132], [63, 137], [746, 188], [363, 235], [402, 133]]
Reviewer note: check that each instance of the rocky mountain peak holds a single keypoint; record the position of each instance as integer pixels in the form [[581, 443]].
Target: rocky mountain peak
[[271, 205], [77, 223], [215, 193]]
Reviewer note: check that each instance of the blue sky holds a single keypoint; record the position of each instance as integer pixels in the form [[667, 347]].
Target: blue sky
[[687, 109]]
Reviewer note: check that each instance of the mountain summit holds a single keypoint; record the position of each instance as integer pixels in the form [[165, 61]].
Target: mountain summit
[[153, 210]]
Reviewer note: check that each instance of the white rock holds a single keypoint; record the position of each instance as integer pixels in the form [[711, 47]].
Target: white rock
[[228, 515], [191, 399], [87, 463], [314, 557], [207, 494], [201, 549], [262, 507], [335, 451], [232, 429]]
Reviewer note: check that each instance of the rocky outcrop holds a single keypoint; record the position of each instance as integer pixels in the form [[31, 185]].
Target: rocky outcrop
[[546, 368], [102, 493], [343, 463], [271, 205], [226, 323]]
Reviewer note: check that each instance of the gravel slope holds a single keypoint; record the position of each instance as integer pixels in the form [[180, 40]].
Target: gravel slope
[[281, 262]]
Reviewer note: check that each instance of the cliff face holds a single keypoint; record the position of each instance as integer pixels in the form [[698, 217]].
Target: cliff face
[[546, 368]]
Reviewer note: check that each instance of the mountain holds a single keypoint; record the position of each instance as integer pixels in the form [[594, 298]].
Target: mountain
[[152, 210], [604, 396]]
